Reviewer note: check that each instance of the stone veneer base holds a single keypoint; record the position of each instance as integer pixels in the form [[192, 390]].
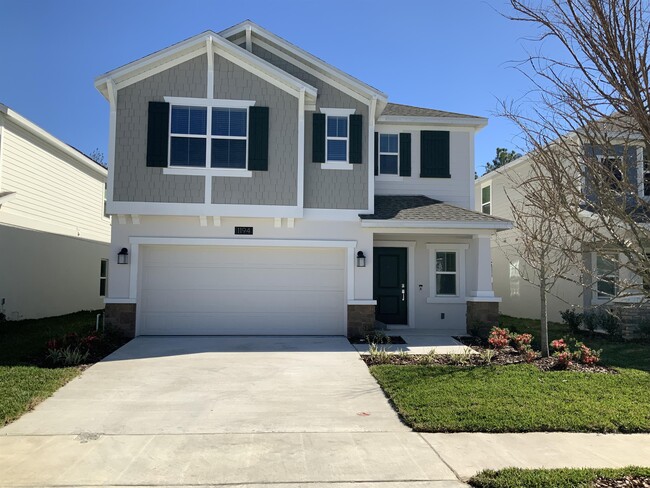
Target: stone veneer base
[[120, 317], [361, 320], [481, 317]]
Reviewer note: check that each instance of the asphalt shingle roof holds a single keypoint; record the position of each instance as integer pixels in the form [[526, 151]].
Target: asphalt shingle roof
[[421, 208], [411, 111]]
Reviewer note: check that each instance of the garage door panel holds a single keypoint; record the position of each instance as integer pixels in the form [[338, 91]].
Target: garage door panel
[[188, 290], [214, 278]]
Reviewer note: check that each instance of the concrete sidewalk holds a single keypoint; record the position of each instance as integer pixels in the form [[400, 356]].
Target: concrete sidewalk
[[468, 453]]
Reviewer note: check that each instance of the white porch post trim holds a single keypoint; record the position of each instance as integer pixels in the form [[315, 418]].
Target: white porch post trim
[[481, 251]]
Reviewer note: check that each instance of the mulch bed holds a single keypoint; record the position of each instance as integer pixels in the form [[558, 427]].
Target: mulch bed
[[501, 357], [626, 482]]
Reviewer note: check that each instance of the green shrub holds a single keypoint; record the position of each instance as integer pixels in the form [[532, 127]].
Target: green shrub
[[601, 319], [643, 327], [68, 356], [572, 319]]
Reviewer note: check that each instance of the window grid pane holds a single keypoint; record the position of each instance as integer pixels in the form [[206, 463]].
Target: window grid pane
[[337, 150], [189, 120], [485, 194], [337, 126], [228, 153], [187, 151], [388, 164], [388, 143], [229, 122], [446, 262]]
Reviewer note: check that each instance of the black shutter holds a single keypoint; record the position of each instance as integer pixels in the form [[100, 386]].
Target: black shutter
[[376, 153], [434, 154], [157, 134], [356, 139], [318, 138], [258, 139], [405, 154]]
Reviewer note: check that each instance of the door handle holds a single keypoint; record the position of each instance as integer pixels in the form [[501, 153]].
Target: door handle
[[403, 293]]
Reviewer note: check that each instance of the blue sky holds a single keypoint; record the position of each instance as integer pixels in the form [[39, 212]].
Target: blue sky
[[450, 55]]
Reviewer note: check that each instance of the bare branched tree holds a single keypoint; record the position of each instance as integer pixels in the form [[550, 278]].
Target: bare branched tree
[[539, 240], [587, 125]]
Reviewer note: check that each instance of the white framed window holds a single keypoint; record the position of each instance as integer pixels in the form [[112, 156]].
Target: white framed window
[[646, 178], [446, 273], [486, 199], [103, 277], [606, 274], [208, 134], [337, 138], [389, 154]]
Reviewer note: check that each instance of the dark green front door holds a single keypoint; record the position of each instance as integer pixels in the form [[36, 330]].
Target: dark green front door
[[390, 284]]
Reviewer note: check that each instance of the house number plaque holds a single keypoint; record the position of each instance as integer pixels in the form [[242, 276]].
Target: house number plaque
[[244, 231]]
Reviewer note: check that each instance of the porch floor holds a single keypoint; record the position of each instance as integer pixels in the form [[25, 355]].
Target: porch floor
[[421, 343]]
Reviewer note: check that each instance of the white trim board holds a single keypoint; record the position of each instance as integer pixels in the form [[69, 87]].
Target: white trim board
[[410, 260], [198, 209]]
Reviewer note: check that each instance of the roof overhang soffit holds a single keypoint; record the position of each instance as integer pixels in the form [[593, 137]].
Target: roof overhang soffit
[[327, 71], [197, 46]]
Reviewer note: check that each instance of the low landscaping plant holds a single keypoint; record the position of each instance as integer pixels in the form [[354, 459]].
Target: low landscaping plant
[[569, 350], [562, 478], [67, 356], [499, 338], [603, 320], [643, 328], [572, 319], [73, 348]]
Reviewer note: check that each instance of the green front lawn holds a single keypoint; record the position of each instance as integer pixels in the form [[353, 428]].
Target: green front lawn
[[557, 478], [23, 381], [517, 398]]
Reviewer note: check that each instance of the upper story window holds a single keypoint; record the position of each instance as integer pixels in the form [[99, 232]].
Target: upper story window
[[388, 154], [486, 199], [337, 139], [208, 135], [614, 171]]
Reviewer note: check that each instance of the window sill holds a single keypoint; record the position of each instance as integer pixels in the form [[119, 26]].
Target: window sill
[[389, 178], [449, 299], [345, 166], [235, 173]]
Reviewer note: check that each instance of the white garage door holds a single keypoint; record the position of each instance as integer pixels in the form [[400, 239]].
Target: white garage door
[[198, 290]]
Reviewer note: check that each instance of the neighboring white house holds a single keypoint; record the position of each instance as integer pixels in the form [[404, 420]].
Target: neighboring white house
[[260, 190], [54, 233], [522, 298]]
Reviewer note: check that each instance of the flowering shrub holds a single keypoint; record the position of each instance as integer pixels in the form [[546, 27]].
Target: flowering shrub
[[522, 342], [499, 338], [587, 355], [559, 345], [528, 354], [564, 359]]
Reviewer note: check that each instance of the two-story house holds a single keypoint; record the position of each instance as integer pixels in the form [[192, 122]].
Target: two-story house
[[258, 190], [54, 233], [598, 281]]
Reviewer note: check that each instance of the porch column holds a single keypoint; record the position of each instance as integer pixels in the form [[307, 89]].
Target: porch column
[[480, 259], [482, 305]]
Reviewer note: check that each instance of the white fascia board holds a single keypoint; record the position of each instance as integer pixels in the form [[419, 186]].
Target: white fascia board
[[415, 224], [202, 209], [476, 122], [50, 139], [241, 242], [196, 46], [303, 55]]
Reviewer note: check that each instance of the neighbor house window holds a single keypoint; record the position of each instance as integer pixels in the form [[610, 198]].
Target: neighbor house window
[[103, 277], [646, 178], [614, 172], [337, 139], [388, 154], [209, 136], [646, 278], [486, 199], [606, 275]]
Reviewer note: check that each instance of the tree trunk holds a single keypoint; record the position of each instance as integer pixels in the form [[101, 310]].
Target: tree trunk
[[543, 338]]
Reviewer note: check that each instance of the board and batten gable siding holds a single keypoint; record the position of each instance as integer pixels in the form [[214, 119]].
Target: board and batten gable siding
[[325, 188], [455, 190], [54, 192], [278, 185], [133, 180]]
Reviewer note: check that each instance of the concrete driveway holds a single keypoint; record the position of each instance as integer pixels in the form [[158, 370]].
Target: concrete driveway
[[242, 411]]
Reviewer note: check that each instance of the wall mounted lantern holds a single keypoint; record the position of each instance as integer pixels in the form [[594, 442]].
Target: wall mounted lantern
[[361, 260], [123, 256]]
